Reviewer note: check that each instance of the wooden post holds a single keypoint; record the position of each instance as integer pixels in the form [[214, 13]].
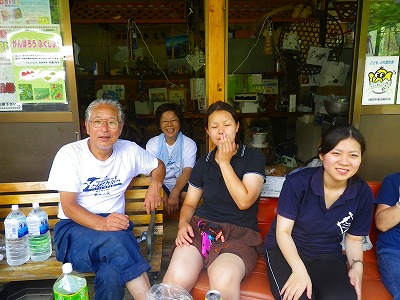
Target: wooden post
[[216, 24]]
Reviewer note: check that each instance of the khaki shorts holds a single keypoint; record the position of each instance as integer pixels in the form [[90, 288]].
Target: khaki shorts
[[242, 241]]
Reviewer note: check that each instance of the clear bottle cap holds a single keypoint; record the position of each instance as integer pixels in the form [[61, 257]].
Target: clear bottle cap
[[14, 207], [67, 268], [35, 204]]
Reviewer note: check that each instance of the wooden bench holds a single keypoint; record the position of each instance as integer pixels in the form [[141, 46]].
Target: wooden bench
[[25, 193]]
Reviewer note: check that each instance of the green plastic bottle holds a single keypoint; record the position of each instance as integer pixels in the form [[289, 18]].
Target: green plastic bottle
[[70, 285]]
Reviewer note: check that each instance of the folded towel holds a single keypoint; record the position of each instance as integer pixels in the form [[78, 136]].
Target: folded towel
[[366, 243]]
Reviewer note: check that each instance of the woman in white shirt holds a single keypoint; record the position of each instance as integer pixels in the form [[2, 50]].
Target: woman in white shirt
[[177, 151]]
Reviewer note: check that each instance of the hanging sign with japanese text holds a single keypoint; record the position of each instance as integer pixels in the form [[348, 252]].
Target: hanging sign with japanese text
[[8, 93], [380, 78], [25, 12], [37, 60]]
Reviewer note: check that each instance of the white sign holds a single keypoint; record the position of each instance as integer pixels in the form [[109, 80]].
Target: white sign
[[272, 186], [290, 42], [317, 55], [8, 91], [398, 91], [380, 78]]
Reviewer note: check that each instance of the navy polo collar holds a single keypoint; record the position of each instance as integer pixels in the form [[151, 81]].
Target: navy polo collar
[[317, 185]]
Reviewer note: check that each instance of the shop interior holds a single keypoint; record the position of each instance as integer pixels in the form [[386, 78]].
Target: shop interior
[[272, 80]]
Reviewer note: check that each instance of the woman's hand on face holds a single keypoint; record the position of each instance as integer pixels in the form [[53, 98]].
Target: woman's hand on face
[[297, 283], [226, 149], [185, 235]]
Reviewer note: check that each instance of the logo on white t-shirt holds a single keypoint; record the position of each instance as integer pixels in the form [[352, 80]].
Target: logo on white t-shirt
[[101, 186]]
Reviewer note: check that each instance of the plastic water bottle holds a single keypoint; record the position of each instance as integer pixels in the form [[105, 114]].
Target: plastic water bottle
[[70, 285], [2, 247], [213, 295], [38, 233], [16, 232]]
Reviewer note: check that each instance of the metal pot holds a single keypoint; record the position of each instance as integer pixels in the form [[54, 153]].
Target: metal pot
[[336, 107]]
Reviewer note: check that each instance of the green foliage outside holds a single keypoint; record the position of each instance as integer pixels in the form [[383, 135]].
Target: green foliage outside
[[384, 27], [55, 11], [384, 13]]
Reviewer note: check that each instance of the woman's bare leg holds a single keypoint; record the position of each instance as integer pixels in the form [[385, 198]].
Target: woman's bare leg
[[184, 268], [225, 275]]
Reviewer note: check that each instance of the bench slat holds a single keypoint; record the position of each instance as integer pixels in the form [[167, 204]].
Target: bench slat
[[23, 186], [135, 193], [137, 207], [29, 198]]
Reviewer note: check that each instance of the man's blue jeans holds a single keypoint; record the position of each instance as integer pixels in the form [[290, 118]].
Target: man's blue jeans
[[389, 267], [114, 256]]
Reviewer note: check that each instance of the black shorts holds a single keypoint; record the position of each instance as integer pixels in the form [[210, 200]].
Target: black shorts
[[328, 273]]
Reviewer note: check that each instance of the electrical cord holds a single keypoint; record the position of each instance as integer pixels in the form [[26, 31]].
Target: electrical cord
[[148, 49], [266, 17], [251, 49], [131, 40]]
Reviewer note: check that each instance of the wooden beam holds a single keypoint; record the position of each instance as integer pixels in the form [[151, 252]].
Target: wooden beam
[[216, 49], [359, 57], [216, 33]]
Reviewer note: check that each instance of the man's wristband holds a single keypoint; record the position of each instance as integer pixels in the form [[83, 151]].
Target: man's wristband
[[356, 261], [398, 204]]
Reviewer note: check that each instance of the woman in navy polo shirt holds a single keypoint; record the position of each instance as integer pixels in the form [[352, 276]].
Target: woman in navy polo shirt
[[387, 219], [316, 207], [228, 182]]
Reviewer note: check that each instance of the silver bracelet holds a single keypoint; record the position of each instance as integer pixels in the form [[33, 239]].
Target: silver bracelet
[[398, 205]]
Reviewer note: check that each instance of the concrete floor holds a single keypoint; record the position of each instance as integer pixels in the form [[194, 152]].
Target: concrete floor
[[170, 231]]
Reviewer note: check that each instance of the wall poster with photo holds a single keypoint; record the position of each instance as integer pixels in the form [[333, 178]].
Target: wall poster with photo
[[158, 94], [177, 96]]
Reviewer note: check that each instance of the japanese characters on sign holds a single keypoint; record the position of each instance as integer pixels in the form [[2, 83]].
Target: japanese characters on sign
[[380, 79], [31, 60], [31, 55]]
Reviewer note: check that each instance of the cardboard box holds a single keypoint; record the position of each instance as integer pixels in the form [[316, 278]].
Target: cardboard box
[[249, 107], [272, 186], [307, 139], [144, 108]]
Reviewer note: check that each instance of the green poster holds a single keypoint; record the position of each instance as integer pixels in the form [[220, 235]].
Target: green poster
[[38, 66]]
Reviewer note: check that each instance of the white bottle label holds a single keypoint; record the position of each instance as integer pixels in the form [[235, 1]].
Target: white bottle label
[[15, 229], [37, 227]]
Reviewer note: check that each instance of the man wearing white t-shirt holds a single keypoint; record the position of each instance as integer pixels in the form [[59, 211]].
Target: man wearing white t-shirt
[[91, 176]]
